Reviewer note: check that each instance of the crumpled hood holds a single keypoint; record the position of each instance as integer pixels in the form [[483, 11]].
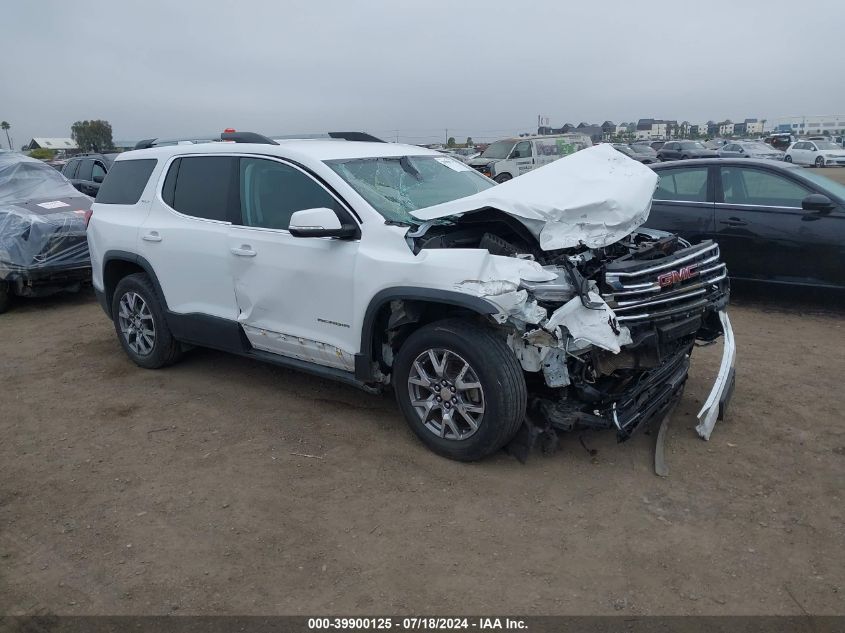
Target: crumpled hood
[[593, 197]]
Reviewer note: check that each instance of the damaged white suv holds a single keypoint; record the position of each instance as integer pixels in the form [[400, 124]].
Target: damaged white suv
[[535, 305]]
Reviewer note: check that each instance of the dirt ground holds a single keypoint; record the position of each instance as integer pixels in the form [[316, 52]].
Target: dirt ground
[[226, 486]]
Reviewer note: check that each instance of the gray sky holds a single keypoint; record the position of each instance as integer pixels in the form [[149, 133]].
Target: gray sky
[[484, 69]]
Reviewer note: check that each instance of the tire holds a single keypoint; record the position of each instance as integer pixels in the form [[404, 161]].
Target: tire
[[684, 157], [5, 296], [787, 159], [135, 303], [469, 354], [820, 162], [503, 178]]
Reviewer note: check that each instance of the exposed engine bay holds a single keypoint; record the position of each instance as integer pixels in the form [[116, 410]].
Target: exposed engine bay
[[605, 342]]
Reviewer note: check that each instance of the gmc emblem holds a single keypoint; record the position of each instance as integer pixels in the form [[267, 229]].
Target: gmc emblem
[[676, 276]]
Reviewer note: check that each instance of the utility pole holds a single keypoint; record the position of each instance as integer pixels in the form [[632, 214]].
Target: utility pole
[[447, 137]]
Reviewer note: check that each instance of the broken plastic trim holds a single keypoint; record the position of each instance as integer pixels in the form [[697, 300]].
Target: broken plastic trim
[[711, 410]]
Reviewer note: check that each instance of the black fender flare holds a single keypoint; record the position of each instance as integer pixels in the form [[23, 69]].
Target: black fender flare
[[364, 358], [134, 258]]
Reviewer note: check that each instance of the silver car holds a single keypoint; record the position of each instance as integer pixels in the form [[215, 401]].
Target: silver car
[[750, 149]]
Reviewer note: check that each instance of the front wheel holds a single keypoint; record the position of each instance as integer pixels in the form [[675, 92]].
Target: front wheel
[[460, 388], [787, 158], [140, 324], [820, 162], [503, 178]]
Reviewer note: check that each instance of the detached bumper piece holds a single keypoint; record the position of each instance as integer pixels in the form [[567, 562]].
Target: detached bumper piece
[[717, 402], [653, 395]]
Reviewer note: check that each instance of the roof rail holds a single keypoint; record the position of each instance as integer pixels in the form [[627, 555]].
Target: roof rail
[[247, 137], [145, 144], [355, 136]]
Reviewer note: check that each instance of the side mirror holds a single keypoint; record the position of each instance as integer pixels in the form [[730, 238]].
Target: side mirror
[[816, 202], [320, 222], [98, 178]]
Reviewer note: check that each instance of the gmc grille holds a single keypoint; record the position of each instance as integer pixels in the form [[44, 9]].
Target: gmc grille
[[677, 285]]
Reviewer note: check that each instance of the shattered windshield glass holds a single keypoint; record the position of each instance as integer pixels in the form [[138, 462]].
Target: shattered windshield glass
[[395, 186], [499, 149]]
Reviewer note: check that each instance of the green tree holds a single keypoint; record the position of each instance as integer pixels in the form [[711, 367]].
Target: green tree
[[4, 125], [42, 153], [469, 142], [451, 142], [92, 136]]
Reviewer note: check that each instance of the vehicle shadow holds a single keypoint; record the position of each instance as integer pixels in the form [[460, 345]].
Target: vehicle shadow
[[58, 300], [788, 299]]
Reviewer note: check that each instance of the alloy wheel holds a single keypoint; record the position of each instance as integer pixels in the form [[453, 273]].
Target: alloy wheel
[[136, 323], [446, 394]]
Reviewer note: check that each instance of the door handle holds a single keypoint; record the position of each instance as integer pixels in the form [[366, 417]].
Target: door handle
[[244, 251], [734, 222], [152, 236]]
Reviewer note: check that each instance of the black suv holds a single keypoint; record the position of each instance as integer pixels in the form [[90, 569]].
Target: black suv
[[87, 171]]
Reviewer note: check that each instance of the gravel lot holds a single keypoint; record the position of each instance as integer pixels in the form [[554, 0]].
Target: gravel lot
[[126, 491]]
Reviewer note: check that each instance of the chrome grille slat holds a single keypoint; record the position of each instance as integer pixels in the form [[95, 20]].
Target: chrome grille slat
[[667, 265], [638, 296]]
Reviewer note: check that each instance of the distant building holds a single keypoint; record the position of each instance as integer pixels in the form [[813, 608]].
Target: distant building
[[65, 144], [650, 129], [817, 124]]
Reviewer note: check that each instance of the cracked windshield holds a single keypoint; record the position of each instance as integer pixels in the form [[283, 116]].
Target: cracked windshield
[[397, 186]]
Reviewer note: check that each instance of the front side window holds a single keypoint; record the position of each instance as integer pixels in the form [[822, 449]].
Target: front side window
[[203, 187], [683, 185], [395, 186], [271, 192], [762, 188], [522, 150]]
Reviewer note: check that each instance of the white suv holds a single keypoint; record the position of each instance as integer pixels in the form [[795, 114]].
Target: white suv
[[494, 311]]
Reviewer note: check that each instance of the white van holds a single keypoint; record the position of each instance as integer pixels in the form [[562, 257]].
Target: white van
[[511, 157]]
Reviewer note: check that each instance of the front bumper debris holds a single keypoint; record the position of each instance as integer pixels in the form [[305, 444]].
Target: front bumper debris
[[716, 403]]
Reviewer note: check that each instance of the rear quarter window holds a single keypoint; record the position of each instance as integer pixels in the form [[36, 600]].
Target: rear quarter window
[[125, 181]]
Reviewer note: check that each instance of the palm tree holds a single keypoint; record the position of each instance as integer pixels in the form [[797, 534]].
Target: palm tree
[[4, 125]]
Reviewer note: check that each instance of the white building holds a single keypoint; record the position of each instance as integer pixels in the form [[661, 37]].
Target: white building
[[813, 125], [648, 129], [52, 143]]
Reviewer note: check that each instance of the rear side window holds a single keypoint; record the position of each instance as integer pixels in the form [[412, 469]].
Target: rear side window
[[125, 181], [85, 169], [684, 185], [69, 170], [204, 187]]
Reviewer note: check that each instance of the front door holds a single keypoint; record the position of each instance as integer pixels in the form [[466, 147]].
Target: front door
[[294, 294], [762, 229], [523, 156]]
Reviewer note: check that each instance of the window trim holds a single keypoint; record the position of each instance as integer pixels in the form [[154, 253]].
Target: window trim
[[353, 217]]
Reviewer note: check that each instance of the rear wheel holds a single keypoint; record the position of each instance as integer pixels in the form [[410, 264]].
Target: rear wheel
[[820, 162], [5, 296], [503, 178], [460, 388], [684, 157], [787, 158], [140, 324]]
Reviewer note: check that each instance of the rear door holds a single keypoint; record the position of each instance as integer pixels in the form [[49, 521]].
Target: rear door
[[683, 202], [185, 235], [761, 228], [84, 175], [669, 151], [294, 294]]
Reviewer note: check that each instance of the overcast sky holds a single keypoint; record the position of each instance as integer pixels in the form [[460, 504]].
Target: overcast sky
[[484, 69]]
